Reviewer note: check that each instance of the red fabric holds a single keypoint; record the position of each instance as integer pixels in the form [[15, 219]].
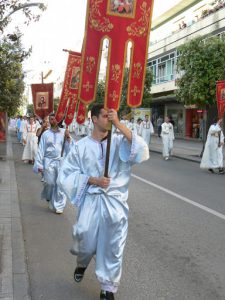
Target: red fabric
[[42, 99], [69, 96], [120, 23], [220, 95], [2, 126], [81, 113]]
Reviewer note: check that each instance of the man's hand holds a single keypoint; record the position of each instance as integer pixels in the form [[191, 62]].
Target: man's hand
[[113, 117], [103, 182]]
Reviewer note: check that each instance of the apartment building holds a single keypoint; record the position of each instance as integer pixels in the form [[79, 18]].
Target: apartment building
[[187, 20]]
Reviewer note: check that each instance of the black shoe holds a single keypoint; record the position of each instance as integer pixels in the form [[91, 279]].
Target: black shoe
[[79, 274], [221, 171], [105, 295], [211, 170]]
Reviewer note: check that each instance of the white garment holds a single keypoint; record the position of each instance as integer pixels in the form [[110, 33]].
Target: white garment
[[29, 135], [167, 135], [213, 152], [146, 129]]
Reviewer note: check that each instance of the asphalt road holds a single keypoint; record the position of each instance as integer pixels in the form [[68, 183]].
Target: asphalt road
[[175, 246]]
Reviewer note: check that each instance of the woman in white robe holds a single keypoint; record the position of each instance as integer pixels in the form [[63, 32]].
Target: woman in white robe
[[167, 135], [146, 129], [213, 153], [30, 141]]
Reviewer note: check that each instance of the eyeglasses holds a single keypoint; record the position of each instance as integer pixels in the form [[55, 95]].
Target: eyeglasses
[[104, 116]]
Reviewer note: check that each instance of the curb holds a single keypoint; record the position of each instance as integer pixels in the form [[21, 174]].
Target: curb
[[177, 156], [19, 273]]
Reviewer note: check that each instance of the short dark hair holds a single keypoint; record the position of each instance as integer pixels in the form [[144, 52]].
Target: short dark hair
[[52, 114], [96, 110]]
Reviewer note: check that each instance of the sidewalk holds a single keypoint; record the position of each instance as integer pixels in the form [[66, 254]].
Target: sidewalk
[[13, 270], [184, 149]]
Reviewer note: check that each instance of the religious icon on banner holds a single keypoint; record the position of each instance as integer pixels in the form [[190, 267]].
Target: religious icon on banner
[[75, 78], [126, 8], [42, 100]]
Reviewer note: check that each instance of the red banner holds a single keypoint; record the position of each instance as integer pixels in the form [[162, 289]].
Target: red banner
[[81, 113], [220, 95], [2, 126], [121, 22], [70, 89], [42, 99]]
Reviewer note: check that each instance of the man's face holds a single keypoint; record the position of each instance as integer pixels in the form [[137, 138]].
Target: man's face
[[102, 121], [146, 118], [52, 121]]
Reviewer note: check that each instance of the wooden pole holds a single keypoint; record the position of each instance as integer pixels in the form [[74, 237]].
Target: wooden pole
[[106, 173]]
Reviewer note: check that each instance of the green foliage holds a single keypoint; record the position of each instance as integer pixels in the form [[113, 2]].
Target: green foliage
[[30, 109], [201, 63], [9, 7], [11, 75]]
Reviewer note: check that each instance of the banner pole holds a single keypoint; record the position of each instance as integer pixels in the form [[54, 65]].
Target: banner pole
[[109, 137]]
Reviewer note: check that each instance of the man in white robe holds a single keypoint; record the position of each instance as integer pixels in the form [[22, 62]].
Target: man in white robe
[[102, 222], [167, 134], [213, 153], [146, 129], [47, 161], [22, 129]]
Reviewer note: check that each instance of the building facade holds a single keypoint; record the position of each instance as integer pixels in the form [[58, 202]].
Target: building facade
[[185, 21]]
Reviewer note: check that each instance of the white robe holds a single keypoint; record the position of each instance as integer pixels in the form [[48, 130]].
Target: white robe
[[167, 135], [48, 159], [146, 129], [102, 223], [29, 135], [213, 153]]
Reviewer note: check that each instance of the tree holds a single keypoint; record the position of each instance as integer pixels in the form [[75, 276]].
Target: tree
[[12, 55], [11, 76], [8, 7], [200, 64]]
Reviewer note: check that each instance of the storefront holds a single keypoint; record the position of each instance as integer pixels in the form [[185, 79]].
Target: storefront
[[176, 113], [195, 123]]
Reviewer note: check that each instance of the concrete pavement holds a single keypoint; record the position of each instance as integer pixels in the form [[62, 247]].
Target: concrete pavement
[[184, 149], [13, 270]]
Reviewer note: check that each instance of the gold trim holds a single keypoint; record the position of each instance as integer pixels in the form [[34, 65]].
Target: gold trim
[[97, 22], [140, 27]]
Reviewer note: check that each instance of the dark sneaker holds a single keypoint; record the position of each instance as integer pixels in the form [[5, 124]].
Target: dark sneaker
[[105, 295], [211, 170], [79, 274], [221, 171]]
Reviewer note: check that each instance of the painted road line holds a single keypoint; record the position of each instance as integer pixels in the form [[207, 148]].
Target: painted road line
[[189, 201]]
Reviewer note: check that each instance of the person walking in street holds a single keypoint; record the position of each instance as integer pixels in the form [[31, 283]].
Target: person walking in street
[[212, 157], [29, 140], [146, 129], [159, 125], [167, 135], [102, 222], [48, 161]]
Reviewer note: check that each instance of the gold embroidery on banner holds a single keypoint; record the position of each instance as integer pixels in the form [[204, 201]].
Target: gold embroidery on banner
[[135, 91], [140, 28], [81, 117], [98, 22], [88, 86], [70, 116], [137, 70], [61, 114], [114, 96], [90, 64], [116, 70]]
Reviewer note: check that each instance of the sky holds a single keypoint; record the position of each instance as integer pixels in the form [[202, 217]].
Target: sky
[[61, 26]]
